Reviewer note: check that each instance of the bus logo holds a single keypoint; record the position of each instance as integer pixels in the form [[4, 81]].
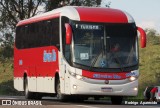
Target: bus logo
[[49, 56], [103, 63]]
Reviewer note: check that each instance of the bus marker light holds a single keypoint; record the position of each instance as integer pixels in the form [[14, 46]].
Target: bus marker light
[[135, 89], [74, 86]]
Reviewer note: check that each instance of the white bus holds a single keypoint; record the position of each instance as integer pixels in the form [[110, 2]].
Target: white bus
[[78, 51]]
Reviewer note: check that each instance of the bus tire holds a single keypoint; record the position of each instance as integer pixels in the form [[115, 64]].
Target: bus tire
[[28, 94], [59, 95], [96, 98], [38, 96], [116, 100], [77, 98]]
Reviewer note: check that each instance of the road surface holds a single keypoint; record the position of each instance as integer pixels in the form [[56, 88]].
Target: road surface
[[48, 102]]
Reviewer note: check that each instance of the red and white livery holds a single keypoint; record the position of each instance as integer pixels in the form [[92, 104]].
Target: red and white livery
[[78, 51]]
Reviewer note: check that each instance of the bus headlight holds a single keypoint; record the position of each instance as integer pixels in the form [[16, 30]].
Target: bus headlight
[[132, 78], [79, 77]]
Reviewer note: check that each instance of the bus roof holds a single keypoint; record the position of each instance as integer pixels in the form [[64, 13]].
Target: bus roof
[[89, 14]]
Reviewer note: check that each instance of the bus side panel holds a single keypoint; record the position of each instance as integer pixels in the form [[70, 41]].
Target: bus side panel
[[44, 79], [46, 70], [42, 65], [32, 79], [18, 80], [18, 72]]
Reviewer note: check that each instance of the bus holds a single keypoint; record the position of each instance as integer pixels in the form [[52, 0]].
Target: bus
[[78, 52]]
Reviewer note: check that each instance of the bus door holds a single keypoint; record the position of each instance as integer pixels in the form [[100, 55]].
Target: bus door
[[64, 77], [65, 58]]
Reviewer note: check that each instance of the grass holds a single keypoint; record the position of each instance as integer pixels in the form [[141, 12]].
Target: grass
[[6, 70], [149, 67], [6, 78]]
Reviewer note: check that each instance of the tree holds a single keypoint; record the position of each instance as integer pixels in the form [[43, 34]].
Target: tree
[[6, 50], [108, 4], [152, 37], [52, 4], [13, 11]]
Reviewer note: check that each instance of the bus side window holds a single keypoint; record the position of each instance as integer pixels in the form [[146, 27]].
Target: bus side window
[[55, 33], [39, 34], [25, 37], [42, 33], [22, 35], [44, 40], [36, 35], [30, 36], [66, 48], [47, 33], [18, 42]]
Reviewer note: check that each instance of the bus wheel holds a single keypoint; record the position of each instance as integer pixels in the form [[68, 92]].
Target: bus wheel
[[28, 94], [60, 96], [37, 96], [96, 98], [116, 100]]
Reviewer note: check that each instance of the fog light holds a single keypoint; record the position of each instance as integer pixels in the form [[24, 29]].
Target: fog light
[[74, 87], [132, 78], [135, 89]]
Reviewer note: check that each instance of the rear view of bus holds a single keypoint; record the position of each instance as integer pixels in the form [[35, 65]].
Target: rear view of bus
[[96, 54]]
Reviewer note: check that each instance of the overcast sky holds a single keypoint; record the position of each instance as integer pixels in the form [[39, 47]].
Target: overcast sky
[[146, 13]]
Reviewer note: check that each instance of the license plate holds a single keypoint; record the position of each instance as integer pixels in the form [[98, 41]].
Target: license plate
[[106, 89]]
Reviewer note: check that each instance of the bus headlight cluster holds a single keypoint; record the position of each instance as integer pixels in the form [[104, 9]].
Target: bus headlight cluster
[[135, 89], [132, 78], [79, 77]]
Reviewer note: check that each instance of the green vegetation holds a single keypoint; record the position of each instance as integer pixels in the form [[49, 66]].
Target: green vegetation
[[6, 77], [149, 64]]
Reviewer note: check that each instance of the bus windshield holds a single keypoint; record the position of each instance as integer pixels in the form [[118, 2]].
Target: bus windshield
[[105, 45]]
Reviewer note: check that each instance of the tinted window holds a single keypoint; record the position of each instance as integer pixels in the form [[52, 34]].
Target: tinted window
[[39, 34], [66, 48]]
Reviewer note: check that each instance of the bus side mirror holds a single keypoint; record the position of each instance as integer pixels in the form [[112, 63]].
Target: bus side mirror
[[142, 37], [68, 34]]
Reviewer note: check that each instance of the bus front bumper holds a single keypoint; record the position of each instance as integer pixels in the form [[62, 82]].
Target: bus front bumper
[[81, 87]]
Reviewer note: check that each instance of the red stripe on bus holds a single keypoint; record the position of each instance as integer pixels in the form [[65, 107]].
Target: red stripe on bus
[[105, 75], [101, 15]]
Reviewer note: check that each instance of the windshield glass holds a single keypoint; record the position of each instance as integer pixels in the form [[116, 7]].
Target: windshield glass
[[105, 45]]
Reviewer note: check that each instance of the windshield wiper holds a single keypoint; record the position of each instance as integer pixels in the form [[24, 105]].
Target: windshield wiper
[[95, 59], [117, 60]]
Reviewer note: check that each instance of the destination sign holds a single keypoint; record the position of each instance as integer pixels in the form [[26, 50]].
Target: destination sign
[[88, 27]]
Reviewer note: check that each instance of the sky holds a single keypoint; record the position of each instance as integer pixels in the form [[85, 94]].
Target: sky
[[146, 13]]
